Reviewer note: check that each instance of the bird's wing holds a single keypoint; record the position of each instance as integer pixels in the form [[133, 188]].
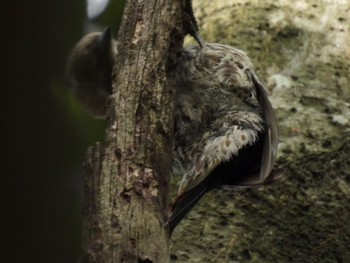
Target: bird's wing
[[271, 137]]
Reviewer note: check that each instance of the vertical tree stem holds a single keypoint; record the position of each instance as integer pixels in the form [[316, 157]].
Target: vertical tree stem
[[126, 180]]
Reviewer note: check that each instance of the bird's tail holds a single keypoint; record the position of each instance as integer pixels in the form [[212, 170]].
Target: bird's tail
[[182, 204]]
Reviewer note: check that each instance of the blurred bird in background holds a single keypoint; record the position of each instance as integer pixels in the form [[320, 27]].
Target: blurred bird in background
[[89, 71]]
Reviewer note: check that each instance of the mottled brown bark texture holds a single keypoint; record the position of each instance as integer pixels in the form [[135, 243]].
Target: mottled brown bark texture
[[126, 180]]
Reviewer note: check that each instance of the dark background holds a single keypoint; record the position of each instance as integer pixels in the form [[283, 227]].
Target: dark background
[[44, 133]]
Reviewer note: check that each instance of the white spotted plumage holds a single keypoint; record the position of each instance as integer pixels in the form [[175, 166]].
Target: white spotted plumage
[[222, 110]]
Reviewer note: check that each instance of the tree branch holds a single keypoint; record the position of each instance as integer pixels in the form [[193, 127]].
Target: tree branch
[[126, 181]]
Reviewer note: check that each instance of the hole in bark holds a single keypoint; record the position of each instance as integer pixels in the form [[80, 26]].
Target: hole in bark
[[126, 195], [147, 260], [118, 153]]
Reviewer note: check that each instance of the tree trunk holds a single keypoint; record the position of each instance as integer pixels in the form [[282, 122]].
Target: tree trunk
[[301, 51], [126, 181]]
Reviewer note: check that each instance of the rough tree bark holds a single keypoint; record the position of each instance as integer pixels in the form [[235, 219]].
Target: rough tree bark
[[126, 180]]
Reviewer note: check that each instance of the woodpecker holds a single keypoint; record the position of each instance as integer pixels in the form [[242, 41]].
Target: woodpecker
[[89, 70], [225, 128]]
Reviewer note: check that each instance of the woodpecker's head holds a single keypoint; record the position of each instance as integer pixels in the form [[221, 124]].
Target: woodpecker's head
[[89, 71]]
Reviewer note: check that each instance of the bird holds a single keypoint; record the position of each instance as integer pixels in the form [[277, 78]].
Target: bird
[[225, 128], [89, 70], [226, 131]]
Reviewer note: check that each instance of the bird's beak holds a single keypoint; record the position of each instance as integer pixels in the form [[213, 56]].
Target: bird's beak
[[105, 39]]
